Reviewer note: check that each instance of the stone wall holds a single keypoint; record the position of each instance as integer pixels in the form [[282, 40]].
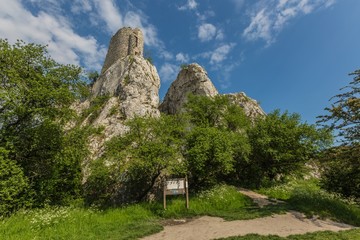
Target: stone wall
[[126, 41]]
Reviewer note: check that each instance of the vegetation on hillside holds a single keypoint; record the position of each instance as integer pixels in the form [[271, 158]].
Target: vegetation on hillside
[[211, 141]]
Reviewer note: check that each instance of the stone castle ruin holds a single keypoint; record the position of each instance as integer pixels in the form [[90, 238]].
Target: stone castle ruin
[[126, 41]]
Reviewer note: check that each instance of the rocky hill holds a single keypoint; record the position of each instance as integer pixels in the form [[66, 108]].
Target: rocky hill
[[194, 79], [129, 86], [191, 79]]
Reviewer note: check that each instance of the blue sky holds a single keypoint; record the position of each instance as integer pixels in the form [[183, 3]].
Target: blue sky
[[287, 54]]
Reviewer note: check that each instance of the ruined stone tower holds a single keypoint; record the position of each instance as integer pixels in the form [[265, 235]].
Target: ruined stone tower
[[126, 41]]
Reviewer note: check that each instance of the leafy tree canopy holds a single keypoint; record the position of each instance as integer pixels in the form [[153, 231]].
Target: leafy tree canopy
[[344, 113], [135, 162], [341, 164], [36, 93], [216, 112], [281, 144]]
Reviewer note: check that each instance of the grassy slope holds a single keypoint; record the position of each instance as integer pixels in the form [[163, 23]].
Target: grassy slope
[[307, 197]]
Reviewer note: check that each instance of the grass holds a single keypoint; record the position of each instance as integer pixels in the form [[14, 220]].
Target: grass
[[134, 221], [307, 197], [326, 235], [76, 223], [130, 222], [222, 201]]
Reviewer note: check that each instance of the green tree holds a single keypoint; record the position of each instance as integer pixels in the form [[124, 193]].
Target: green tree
[[341, 164], [216, 112], [344, 113], [211, 155], [133, 164], [217, 141], [36, 94], [341, 170], [281, 144]]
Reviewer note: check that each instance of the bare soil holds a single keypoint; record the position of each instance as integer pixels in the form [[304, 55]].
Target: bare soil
[[283, 225]]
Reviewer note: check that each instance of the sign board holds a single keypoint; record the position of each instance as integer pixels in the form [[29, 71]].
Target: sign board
[[176, 186]]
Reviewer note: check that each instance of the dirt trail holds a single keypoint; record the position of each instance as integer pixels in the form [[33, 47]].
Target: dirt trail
[[205, 228]]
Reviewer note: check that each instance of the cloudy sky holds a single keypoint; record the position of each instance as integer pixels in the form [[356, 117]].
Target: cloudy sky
[[287, 54]]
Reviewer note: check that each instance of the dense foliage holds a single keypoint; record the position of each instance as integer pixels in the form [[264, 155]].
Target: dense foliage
[[211, 142], [216, 141], [281, 145], [13, 185], [341, 170], [341, 164], [36, 93], [134, 162]]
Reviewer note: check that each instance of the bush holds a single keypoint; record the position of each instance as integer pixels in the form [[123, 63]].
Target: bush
[[133, 164], [13, 186], [217, 143], [281, 144], [211, 155], [341, 171], [102, 188]]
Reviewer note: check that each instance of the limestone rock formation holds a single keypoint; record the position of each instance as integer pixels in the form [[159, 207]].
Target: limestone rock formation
[[251, 107], [135, 82], [191, 79], [128, 86]]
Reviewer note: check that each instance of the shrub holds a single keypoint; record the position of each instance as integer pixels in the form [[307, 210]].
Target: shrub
[[133, 164], [281, 144], [341, 171], [210, 156], [13, 186]]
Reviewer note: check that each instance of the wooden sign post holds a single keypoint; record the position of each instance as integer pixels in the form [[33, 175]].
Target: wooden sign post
[[176, 186]]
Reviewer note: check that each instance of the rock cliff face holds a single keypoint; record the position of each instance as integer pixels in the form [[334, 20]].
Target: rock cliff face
[[135, 82], [191, 79], [127, 87], [251, 107], [132, 86]]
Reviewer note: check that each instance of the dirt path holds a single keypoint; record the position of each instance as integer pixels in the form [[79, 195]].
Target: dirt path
[[205, 228]]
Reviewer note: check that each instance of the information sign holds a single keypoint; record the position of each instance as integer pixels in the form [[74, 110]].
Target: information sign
[[176, 186]]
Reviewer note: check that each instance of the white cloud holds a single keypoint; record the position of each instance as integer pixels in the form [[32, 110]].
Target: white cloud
[[269, 17], [168, 72], [79, 6], [206, 32], [51, 6], [134, 19], [64, 45], [110, 14], [221, 53], [220, 35], [183, 58], [52, 26], [190, 5], [260, 27]]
